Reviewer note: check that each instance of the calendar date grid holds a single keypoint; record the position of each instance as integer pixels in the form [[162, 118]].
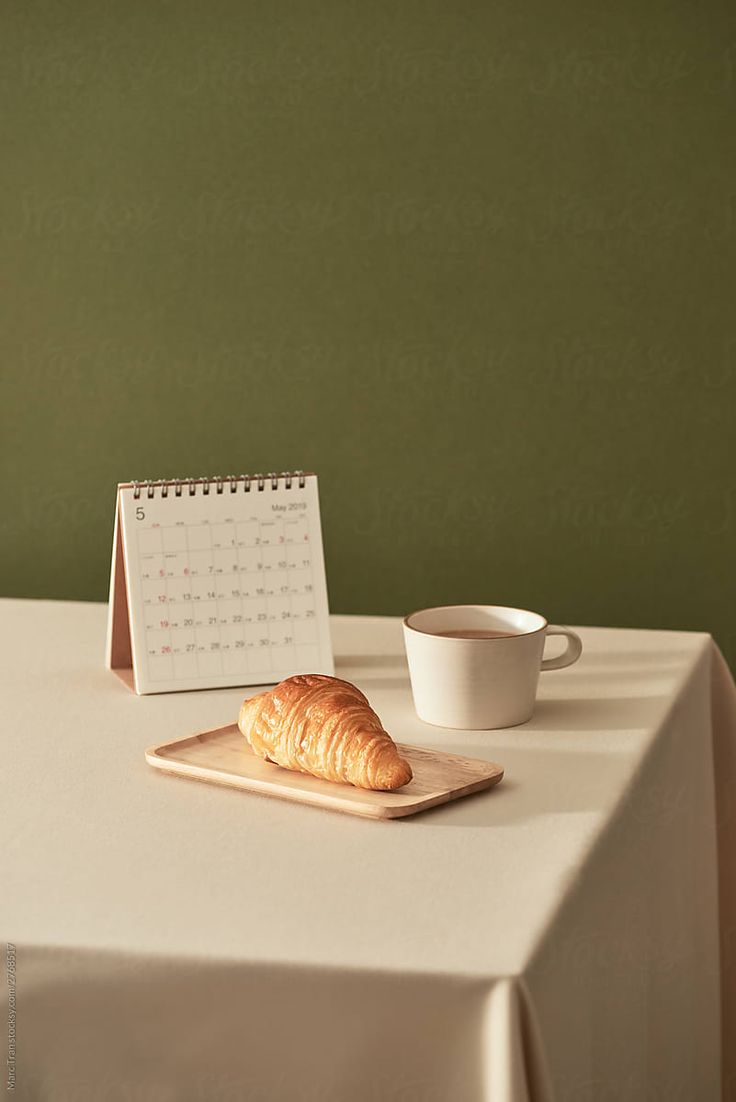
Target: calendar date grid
[[228, 597]]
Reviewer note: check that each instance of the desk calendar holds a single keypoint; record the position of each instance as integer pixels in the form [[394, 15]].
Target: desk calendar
[[217, 582]]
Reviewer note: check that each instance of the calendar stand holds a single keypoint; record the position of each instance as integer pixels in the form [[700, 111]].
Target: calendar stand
[[119, 653], [217, 582]]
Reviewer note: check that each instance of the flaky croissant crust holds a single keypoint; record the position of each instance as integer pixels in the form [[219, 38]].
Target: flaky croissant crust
[[325, 726]]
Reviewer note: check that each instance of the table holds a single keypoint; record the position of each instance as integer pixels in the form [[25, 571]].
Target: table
[[556, 937]]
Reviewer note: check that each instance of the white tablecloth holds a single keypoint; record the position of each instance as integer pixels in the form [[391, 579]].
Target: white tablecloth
[[556, 937]]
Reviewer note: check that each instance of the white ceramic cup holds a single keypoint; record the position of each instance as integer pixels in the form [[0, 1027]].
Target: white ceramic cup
[[480, 683]]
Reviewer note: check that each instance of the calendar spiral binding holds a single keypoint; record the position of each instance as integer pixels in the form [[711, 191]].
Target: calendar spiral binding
[[250, 481]]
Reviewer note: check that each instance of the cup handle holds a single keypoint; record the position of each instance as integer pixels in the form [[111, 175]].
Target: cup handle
[[568, 656]]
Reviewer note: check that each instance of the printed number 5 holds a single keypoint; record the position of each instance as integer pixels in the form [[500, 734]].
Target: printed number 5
[[139, 514]]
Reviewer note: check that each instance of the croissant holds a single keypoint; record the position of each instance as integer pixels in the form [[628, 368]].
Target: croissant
[[322, 725]]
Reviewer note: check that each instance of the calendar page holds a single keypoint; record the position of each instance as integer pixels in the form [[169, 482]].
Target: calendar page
[[225, 582]]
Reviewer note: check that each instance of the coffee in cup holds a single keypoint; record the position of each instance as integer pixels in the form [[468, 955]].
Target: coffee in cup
[[476, 667]]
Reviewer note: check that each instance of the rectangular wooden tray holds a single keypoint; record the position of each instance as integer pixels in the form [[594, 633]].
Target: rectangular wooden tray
[[223, 756]]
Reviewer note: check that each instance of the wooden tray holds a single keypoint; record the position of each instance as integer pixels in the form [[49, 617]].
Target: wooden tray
[[223, 756]]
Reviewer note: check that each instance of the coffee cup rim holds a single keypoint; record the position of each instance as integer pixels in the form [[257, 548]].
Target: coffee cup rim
[[459, 639]]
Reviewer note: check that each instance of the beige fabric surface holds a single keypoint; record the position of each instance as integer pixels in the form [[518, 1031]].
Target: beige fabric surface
[[556, 937]]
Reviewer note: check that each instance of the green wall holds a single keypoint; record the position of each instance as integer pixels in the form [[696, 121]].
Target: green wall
[[474, 264]]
